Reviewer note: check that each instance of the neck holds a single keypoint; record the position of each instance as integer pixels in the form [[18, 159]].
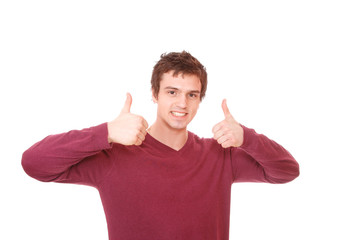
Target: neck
[[174, 138]]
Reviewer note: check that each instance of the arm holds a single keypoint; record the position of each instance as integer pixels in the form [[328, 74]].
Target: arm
[[260, 159], [78, 156], [254, 157], [83, 156]]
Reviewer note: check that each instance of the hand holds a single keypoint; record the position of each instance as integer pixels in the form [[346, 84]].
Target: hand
[[228, 132], [127, 128]]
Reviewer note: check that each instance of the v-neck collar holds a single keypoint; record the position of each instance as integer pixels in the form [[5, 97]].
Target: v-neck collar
[[165, 148]]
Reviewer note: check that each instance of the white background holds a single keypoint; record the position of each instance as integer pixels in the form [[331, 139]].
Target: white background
[[288, 69]]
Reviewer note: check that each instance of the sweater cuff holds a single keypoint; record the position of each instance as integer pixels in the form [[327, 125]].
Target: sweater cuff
[[249, 135], [100, 136]]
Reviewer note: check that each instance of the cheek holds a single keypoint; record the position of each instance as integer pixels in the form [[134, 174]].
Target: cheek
[[194, 108], [163, 106], [195, 105]]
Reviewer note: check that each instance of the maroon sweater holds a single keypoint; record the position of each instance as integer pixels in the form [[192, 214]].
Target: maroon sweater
[[154, 192]]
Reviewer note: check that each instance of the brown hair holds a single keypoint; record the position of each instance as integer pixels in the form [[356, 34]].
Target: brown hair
[[182, 63]]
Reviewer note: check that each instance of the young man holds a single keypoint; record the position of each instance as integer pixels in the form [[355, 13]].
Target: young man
[[163, 182]]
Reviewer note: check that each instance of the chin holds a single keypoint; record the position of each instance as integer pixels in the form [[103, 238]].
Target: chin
[[178, 126]]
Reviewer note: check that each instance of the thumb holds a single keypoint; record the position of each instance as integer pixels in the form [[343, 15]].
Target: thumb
[[127, 105], [225, 109]]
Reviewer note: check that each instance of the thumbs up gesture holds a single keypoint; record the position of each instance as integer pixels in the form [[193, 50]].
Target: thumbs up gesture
[[228, 132], [127, 128]]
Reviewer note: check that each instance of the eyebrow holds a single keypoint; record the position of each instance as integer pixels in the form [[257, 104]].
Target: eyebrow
[[174, 88]]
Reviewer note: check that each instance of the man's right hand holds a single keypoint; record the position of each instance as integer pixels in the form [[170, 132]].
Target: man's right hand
[[127, 128]]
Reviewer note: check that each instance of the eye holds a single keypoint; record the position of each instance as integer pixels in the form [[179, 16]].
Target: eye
[[193, 95], [171, 92]]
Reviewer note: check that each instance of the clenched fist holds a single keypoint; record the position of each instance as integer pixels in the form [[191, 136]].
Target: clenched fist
[[228, 132], [127, 128]]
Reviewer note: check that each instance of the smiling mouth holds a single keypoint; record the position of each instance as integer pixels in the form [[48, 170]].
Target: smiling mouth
[[178, 114]]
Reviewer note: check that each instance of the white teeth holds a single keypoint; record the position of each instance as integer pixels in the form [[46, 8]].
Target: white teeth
[[177, 114]]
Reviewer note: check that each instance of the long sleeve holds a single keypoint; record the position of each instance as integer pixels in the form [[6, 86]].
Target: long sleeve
[[260, 159], [78, 156]]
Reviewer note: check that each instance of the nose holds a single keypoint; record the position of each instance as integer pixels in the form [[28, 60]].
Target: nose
[[181, 101]]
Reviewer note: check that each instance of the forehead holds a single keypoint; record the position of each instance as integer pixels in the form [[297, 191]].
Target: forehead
[[181, 81]]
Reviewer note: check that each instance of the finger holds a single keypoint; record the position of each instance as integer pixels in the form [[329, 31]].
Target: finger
[[143, 131], [127, 105], [226, 144], [141, 136], [145, 124], [218, 134], [223, 139], [225, 109], [138, 142], [217, 127]]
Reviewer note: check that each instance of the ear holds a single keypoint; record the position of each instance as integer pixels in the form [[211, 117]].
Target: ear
[[154, 99]]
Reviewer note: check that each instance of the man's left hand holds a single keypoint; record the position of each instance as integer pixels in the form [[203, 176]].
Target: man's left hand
[[228, 132]]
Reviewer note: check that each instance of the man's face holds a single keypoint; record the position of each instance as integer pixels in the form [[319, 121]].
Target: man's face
[[178, 100]]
